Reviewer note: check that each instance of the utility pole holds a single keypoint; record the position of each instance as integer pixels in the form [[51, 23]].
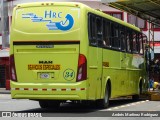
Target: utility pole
[[4, 24]]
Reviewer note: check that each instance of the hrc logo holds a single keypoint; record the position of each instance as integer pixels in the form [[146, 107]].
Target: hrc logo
[[65, 25]]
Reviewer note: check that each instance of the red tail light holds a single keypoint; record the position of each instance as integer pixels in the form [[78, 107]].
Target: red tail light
[[12, 69], [82, 68]]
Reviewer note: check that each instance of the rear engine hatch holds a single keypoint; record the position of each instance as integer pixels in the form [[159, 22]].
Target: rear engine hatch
[[46, 63]]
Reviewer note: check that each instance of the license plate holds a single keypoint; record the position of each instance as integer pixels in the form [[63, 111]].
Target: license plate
[[44, 75]]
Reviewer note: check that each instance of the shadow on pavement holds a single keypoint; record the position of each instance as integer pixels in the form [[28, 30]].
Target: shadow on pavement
[[79, 108]]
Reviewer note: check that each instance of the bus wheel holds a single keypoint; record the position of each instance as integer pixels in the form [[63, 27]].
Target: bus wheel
[[54, 104], [43, 104], [49, 104], [103, 103]]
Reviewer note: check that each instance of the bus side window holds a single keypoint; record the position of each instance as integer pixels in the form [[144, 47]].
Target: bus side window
[[122, 38], [135, 42], [106, 33], [99, 31], [115, 36], [138, 42], [141, 43], [92, 30], [129, 40]]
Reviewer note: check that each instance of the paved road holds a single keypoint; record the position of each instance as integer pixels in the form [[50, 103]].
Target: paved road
[[78, 110]]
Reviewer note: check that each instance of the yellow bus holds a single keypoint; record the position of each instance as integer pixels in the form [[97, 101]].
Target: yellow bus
[[69, 51]]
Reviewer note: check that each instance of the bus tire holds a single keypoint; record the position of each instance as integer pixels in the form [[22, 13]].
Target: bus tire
[[103, 103], [54, 104], [49, 104], [43, 104]]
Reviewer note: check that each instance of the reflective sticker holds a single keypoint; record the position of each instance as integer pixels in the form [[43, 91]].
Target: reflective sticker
[[69, 74], [58, 89], [35, 89], [49, 89], [77, 89]]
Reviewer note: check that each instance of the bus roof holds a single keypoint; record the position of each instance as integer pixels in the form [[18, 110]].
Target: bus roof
[[77, 4], [34, 4]]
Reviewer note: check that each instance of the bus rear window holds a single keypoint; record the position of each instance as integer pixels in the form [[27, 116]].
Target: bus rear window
[[46, 19]]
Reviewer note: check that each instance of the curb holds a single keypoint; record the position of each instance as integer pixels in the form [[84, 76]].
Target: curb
[[4, 91], [8, 92]]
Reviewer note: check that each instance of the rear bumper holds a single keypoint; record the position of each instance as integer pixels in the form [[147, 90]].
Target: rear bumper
[[49, 91]]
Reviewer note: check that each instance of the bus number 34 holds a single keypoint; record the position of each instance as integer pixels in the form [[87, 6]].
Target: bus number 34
[[69, 74]]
